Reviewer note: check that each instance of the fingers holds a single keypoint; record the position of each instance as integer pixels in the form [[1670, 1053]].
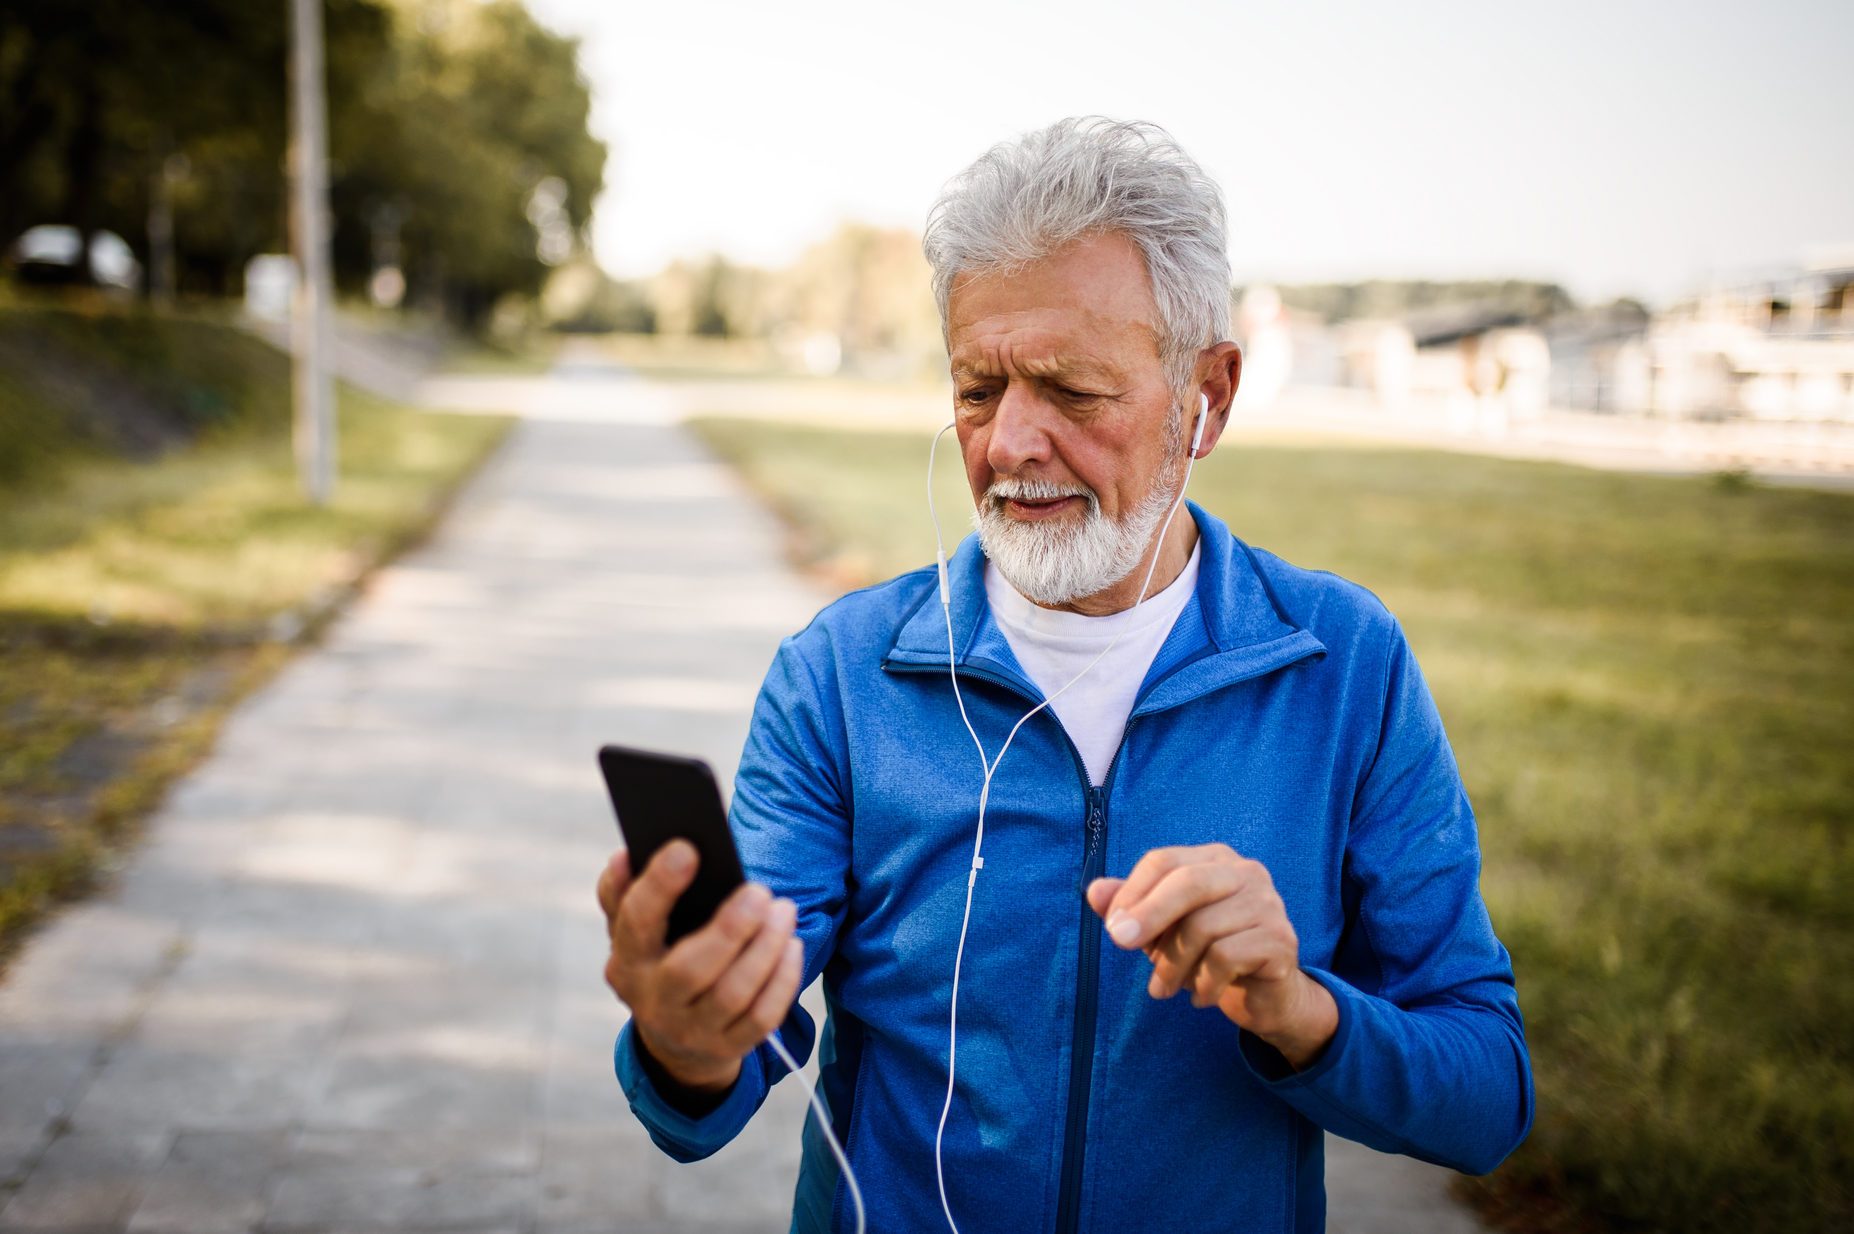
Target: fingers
[[728, 990], [1145, 875], [1177, 953], [709, 999], [774, 1002], [1256, 951], [644, 909], [1101, 893], [1184, 886], [613, 879], [696, 962], [1206, 917]]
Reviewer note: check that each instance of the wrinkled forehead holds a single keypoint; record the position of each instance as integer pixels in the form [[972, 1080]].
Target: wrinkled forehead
[[1087, 304], [1030, 355], [1055, 346]]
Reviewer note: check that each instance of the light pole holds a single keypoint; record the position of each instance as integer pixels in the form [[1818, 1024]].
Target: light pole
[[309, 334]]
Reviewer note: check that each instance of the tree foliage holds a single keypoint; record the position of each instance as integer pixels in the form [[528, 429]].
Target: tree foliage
[[866, 288], [445, 118], [1398, 298]]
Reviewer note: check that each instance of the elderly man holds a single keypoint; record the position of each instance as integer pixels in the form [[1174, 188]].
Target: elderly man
[[1239, 791]]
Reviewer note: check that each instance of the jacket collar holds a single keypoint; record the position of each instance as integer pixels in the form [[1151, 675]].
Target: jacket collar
[[1233, 629]]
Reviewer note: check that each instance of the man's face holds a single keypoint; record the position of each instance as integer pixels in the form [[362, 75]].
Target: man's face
[[1059, 388]]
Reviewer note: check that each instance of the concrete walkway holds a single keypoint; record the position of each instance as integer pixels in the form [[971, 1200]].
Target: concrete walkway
[[351, 978]]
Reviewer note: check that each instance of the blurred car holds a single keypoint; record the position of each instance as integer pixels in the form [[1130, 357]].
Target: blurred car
[[49, 254]]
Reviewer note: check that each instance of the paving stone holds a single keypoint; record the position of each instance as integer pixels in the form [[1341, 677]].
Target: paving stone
[[579, 1087], [43, 1076], [748, 1182], [20, 1147], [1368, 1192], [483, 1177], [212, 1182], [87, 974], [599, 1179], [445, 1078], [157, 1088], [85, 1182]]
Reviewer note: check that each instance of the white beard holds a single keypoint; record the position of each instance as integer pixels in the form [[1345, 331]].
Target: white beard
[[1061, 562]]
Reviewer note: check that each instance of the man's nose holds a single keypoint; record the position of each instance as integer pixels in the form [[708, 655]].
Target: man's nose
[[1019, 431]]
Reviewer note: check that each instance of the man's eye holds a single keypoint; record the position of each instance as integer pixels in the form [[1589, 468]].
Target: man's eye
[[974, 396], [1074, 395]]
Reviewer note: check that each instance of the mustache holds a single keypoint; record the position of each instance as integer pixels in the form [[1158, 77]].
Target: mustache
[[1013, 488]]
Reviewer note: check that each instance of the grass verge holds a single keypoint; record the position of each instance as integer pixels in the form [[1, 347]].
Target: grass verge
[[1649, 685], [157, 561]]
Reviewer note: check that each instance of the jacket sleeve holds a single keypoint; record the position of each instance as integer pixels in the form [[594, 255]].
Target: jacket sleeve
[[1430, 1058], [790, 820]]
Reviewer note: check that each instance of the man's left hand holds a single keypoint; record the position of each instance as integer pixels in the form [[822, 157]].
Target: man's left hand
[[1211, 922]]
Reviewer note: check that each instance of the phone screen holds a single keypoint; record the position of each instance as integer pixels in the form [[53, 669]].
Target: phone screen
[[661, 797]]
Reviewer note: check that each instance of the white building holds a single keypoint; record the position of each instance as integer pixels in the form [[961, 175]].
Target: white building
[[1777, 348]]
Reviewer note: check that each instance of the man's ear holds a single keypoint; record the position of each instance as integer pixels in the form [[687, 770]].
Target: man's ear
[[1220, 371]]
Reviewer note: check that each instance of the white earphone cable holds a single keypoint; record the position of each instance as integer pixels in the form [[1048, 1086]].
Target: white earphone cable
[[991, 765], [830, 1137]]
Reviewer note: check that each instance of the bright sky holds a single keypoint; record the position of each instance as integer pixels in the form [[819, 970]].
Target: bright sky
[[1618, 147]]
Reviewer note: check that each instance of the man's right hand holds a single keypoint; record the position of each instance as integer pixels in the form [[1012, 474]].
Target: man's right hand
[[699, 1006]]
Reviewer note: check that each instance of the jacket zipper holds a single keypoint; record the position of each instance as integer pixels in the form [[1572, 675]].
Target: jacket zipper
[[1087, 999]]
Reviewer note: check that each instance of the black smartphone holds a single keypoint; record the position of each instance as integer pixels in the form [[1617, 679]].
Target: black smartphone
[[660, 797]]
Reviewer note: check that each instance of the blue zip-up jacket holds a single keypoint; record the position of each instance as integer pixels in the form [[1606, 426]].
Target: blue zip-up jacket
[[1284, 716]]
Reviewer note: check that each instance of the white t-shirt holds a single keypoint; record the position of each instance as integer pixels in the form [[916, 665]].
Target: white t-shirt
[[1053, 646]]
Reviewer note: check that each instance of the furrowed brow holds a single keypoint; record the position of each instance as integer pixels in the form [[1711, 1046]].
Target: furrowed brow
[[1055, 367]]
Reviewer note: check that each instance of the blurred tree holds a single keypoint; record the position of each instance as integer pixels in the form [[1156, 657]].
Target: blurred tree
[[107, 100], [1397, 298], [865, 289], [711, 297], [870, 288], [708, 315], [581, 298], [672, 294], [462, 126], [486, 163]]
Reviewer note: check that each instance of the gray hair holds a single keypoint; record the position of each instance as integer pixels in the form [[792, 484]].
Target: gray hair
[[1024, 199]]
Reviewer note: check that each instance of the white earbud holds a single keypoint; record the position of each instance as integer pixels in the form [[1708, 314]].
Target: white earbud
[[1203, 418]]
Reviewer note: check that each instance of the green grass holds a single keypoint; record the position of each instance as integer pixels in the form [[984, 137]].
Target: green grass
[[152, 530], [1649, 685]]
